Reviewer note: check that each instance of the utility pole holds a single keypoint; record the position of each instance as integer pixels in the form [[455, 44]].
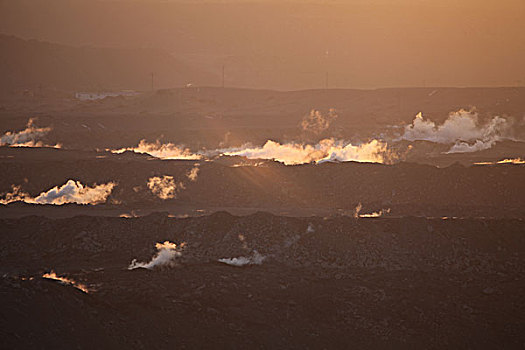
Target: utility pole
[[223, 76], [326, 64], [152, 77]]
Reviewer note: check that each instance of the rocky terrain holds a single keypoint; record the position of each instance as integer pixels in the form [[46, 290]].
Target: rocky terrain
[[319, 282], [103, 247], [323, 189], [214, 117], [262, 174]]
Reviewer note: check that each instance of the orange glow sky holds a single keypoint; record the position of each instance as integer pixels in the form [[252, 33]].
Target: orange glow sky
[[293, 44]]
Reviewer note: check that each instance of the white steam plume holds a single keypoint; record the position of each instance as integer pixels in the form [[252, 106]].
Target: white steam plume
[[357, 210], [71, 192], [310, 228], [162, 151], [193, 173], [462, 129], [255, 259], [29, 137], [326, 150], [164, 187], [316, 122], [75, 192], [16, 195], [465, 147], [166, 256]]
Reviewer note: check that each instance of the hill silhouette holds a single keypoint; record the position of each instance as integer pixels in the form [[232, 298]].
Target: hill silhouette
[[31, 64]]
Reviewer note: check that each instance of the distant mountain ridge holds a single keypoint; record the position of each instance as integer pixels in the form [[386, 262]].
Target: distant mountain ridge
[[30, 64], [299, 44]]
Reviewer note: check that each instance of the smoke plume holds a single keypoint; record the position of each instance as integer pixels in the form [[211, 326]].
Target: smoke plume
[[162, 151], [462, 129], [255, 259], [16, 195], [326, 150], [166, 256], [193, 173], [71, 192], [310, 228], [357, 210], [316, 122], [29, 137], [164, 187]]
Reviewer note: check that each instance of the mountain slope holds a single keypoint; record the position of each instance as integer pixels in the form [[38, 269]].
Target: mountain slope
[[29, 64]]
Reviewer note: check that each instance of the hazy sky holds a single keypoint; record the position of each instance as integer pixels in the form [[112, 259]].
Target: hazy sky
[[294, 44]]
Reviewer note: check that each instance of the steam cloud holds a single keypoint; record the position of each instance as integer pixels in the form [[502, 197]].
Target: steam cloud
[[462, 128], [357, 210], [164, 187], [316, 122], [194, 172], [326, 150], [255, 259], [162, 151], [166, 256], [29, 137], [71, 192], [310, 228]]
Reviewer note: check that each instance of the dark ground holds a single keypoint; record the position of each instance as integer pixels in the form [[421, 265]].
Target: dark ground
[[366, 283], [324, 189], [214, 117], [410, 279]]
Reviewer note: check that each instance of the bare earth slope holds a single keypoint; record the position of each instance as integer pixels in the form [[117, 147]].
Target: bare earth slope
[[324, 189], [30, 64], [367, 283], [215, 117], [426, 252]]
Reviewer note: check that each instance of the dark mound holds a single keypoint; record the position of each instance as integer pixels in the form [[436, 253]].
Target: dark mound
[[324, 189], [342, 282]]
